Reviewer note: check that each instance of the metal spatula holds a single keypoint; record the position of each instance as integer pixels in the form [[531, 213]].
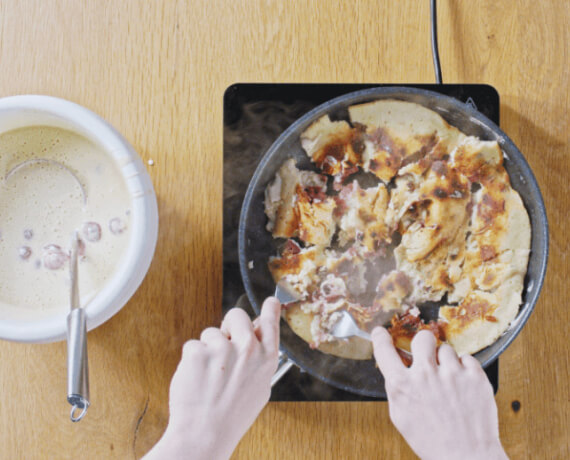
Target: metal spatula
[[346, 327], [77, 370]]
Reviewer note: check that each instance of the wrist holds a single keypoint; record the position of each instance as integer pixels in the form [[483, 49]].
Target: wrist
[[183, 442], [492, 450]]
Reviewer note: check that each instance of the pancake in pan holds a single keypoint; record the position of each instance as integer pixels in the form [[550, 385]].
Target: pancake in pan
[[442, 218]]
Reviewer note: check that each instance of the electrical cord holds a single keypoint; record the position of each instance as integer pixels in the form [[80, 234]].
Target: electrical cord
[[434, 50]]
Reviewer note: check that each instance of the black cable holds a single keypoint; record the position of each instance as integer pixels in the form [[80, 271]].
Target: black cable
[[434, 50]]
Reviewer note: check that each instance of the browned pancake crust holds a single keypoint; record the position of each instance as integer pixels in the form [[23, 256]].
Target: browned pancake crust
[[464, 230]]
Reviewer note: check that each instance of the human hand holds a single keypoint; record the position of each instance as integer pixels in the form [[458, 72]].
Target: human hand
[[442, 405], [221, 385]]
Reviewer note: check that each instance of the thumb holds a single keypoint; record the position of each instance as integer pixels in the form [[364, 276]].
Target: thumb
[[269, 323]]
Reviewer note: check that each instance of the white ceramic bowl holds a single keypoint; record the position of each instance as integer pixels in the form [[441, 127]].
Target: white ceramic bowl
[[21, 111]]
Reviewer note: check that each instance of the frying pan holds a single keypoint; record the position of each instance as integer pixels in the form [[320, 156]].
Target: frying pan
[[256, 244]]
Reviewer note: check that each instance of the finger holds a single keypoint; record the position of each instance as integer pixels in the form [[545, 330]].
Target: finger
[[213, 336], [193, 348], [194, 360], [447, 357], [423, 349], [269, 323], [469, 362], [385, 353], [193, 353], [238, 327]]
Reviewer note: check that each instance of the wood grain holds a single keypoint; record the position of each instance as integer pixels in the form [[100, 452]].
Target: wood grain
[[157, 71]]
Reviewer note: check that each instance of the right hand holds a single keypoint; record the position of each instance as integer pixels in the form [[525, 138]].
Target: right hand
[[442, 405]]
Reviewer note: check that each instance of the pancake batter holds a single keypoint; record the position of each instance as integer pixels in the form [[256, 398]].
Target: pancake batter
[[41, 204]]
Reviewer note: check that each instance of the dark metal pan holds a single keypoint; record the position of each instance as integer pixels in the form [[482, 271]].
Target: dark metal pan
[[256, 243]]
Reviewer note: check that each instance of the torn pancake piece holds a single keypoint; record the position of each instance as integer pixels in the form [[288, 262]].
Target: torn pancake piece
[[482, 316], [404, 327], [476, 159], [361, 214], [334, 146], [434, 230], [391, 292], [498, 246], [302, 323], [298, 267], [437, 217], [397, 130], [316, 216], [350, 266], [313, 318], [296, 205]]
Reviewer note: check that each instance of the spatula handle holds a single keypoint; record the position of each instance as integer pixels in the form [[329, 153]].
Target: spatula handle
[[282, 368]]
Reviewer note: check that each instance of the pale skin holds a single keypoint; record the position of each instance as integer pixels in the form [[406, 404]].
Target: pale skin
[[221, 385], [442, 405]]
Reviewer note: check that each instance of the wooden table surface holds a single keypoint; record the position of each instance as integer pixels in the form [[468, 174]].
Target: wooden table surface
[[157, 71]]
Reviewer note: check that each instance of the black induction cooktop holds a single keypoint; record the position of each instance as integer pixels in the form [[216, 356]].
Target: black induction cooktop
[[255, 114]]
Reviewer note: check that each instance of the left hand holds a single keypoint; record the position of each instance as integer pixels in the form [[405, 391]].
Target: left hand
[[221, 385]]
